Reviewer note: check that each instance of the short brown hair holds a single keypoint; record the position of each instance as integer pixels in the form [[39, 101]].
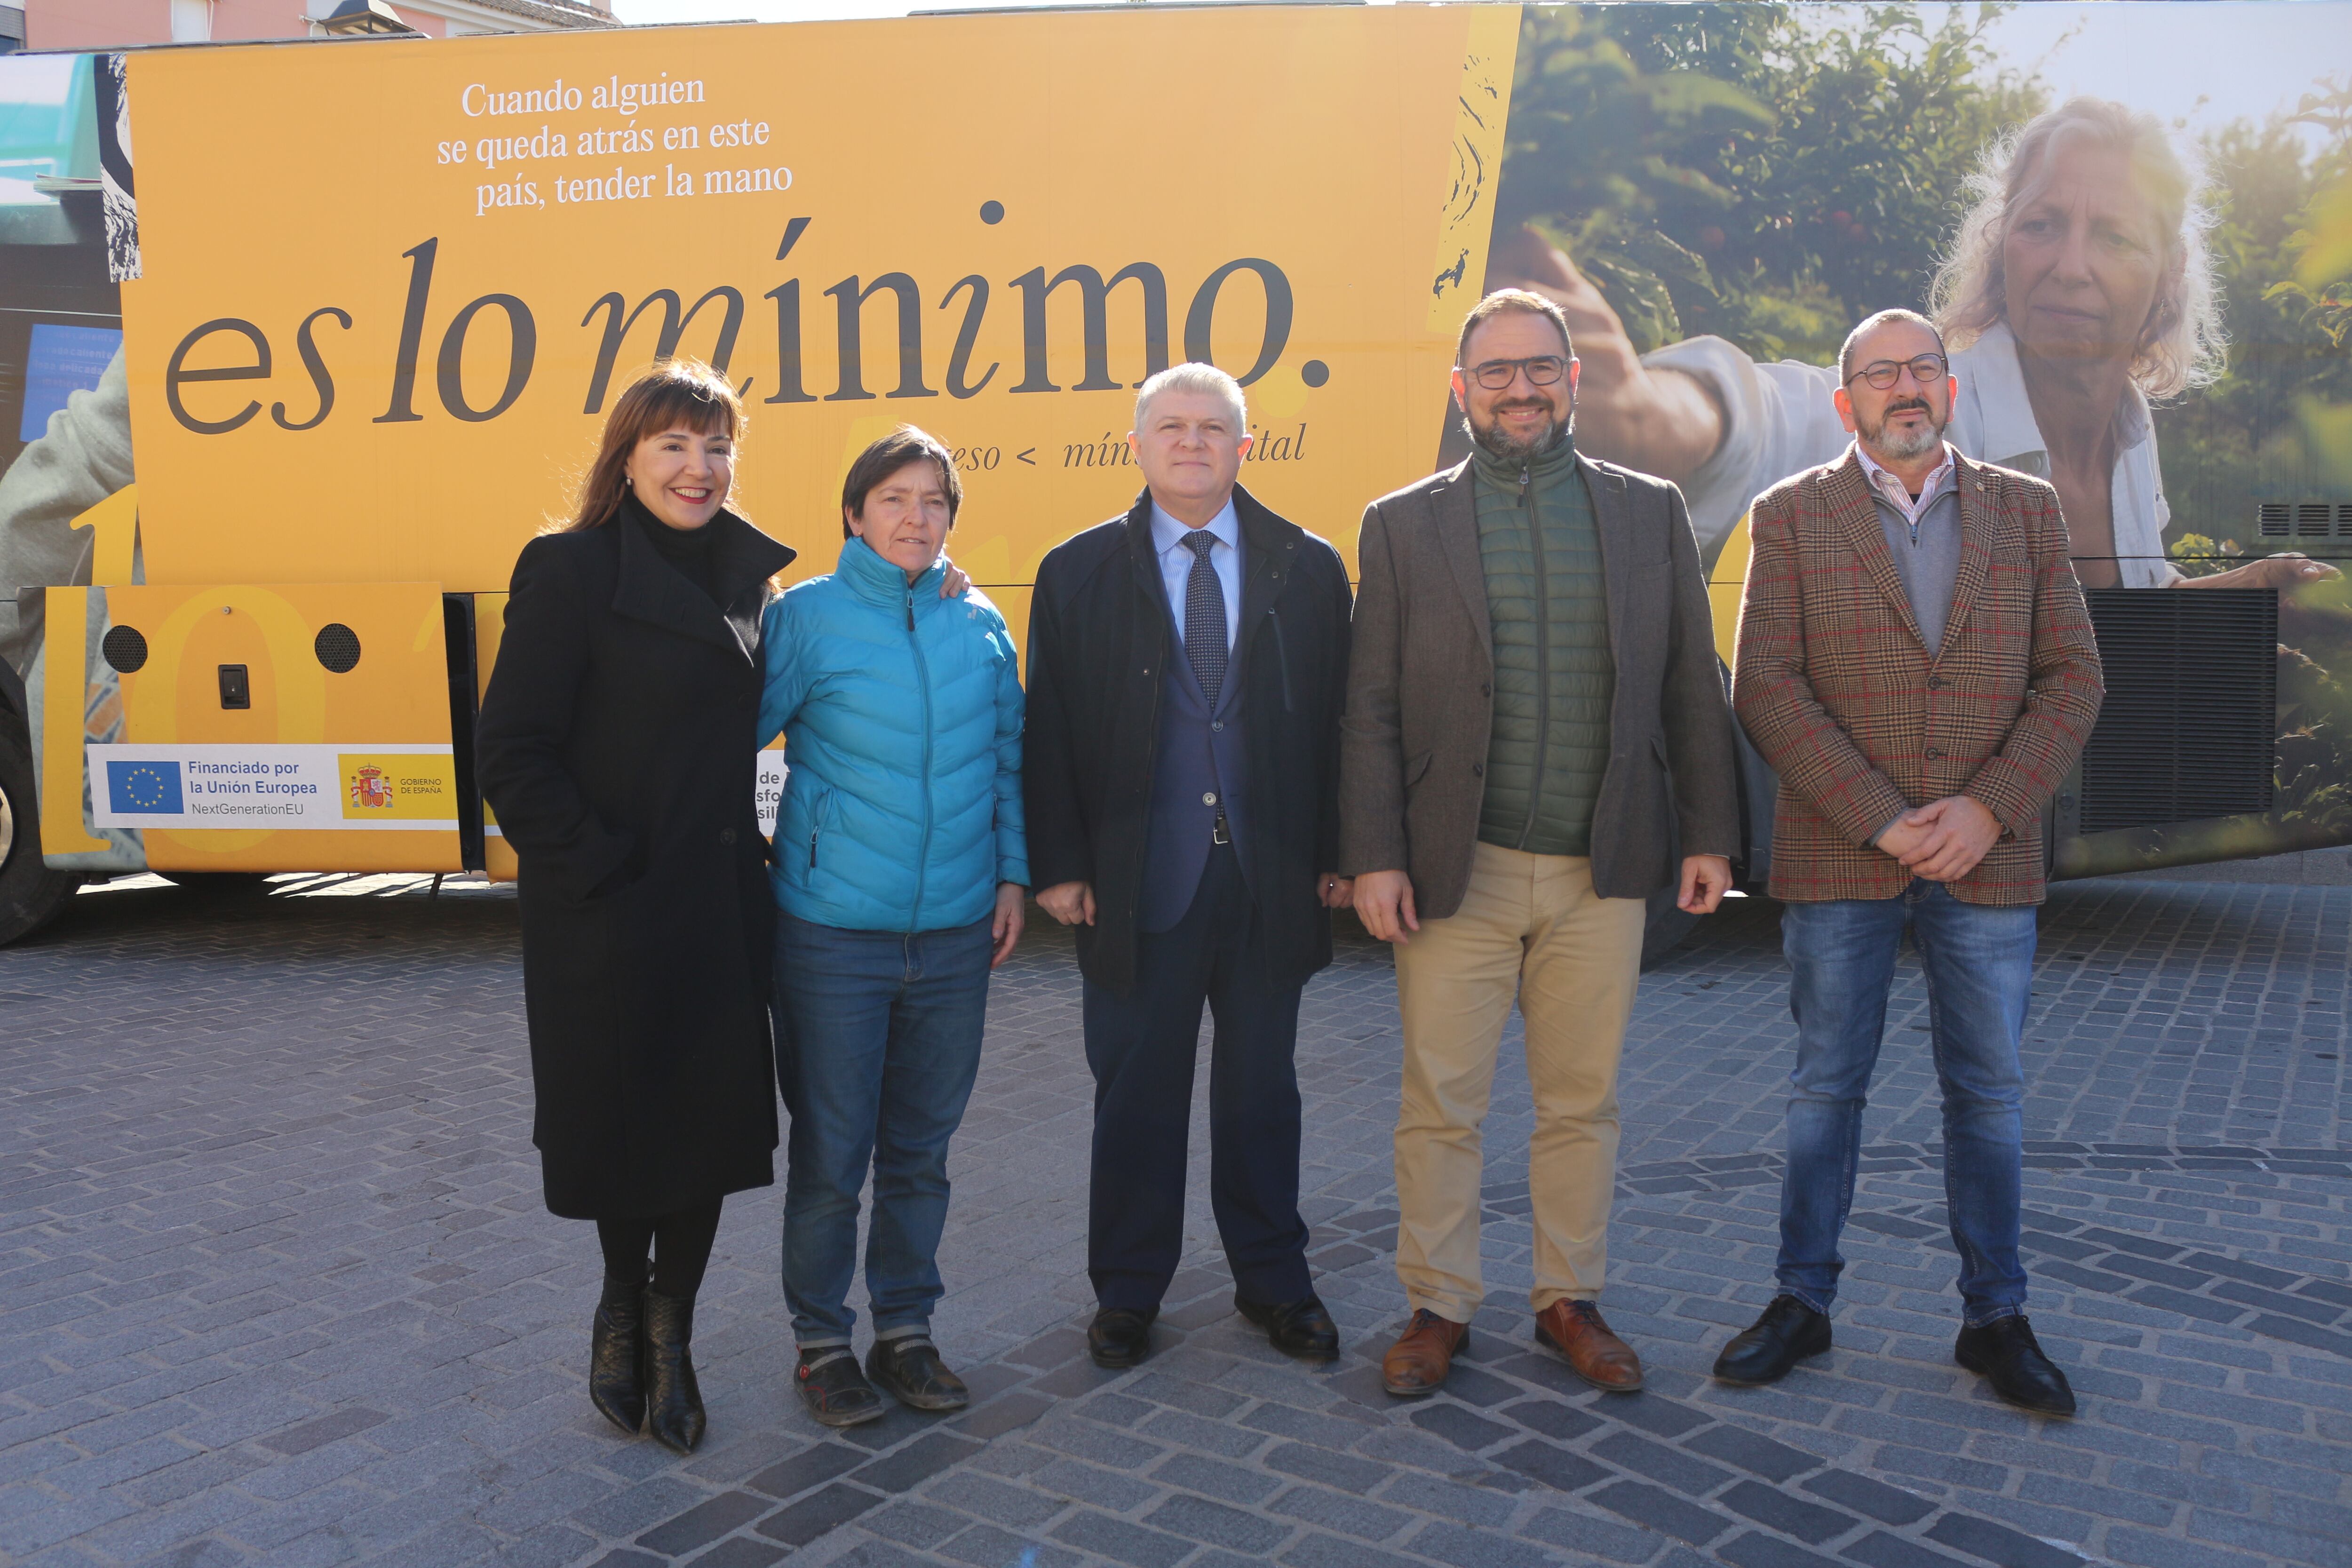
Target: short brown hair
[[673, 393], [1505, 299], [902, 446]]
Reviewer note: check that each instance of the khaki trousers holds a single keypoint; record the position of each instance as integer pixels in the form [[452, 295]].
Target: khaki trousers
[[1530, 928]]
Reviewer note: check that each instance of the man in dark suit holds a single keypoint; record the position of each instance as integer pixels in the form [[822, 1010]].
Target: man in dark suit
[[1187, 666], [1535, 719]]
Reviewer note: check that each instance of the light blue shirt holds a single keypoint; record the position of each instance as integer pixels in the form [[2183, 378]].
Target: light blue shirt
[[1176, 564]]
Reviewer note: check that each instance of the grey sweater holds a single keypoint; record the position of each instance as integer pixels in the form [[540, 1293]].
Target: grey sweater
[[1928, 557]]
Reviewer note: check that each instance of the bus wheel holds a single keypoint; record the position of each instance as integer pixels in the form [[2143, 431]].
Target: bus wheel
[[30, 893], [1667, 925]]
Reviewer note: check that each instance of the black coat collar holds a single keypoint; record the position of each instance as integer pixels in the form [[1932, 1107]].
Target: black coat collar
[[650, 589]]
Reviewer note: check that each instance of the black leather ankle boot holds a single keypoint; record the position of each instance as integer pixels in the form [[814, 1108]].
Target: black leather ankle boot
[[673, 1399], [616, 1355]]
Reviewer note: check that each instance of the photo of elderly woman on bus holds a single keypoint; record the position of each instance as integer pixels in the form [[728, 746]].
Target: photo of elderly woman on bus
[[2131, 276], [2076, 291]]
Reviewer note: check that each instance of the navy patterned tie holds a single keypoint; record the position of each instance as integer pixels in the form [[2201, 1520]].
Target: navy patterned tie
[[1204, 616]]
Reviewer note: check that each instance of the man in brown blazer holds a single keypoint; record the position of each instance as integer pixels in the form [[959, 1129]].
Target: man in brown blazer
[[1915, 660], [1535, 732]]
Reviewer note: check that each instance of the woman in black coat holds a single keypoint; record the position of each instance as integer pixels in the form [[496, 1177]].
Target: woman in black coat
[[615, 746]]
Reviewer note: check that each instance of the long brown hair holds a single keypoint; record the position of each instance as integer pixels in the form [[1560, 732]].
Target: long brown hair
[[673, 393]]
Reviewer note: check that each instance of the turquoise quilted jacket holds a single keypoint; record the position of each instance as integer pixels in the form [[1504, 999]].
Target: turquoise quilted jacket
[[901, 717]]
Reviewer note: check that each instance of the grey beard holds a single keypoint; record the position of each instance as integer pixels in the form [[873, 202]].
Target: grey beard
[[1500, 444], [1906, 446]]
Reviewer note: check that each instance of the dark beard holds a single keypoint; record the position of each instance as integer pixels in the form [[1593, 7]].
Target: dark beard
[[1497, 444]]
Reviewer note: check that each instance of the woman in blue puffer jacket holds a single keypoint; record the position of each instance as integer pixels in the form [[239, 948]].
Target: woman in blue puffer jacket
[[900, 865]]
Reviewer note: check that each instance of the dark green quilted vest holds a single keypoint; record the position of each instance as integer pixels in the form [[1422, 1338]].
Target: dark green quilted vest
[[1553, 675]]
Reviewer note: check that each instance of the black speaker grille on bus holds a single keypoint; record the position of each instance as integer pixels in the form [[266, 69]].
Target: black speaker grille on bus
[[125, 648], [2189, 729], [2303, 520]]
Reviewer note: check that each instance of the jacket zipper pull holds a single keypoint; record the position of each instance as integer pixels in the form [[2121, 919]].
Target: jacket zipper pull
[[1523, 486], [813, 833]]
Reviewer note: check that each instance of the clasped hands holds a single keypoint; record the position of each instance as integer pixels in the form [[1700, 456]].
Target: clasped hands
[[1942, 840]]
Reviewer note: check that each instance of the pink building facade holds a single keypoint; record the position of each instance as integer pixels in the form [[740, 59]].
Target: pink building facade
[[113, 24]]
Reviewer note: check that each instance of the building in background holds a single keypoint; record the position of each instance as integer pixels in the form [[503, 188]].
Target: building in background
[[114, 24]]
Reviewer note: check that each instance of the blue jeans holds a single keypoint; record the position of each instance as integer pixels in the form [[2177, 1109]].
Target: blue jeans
[[1979, 968], [878, 1041]]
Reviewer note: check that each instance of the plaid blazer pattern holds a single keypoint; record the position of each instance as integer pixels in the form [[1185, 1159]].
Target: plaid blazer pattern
[[1833, 682]]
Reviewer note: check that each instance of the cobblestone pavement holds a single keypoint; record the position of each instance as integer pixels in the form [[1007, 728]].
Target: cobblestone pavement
[[276, 1285]]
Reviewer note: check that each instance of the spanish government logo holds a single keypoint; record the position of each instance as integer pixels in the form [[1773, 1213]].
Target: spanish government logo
[[396, 789], [151, 787], [371, 791]]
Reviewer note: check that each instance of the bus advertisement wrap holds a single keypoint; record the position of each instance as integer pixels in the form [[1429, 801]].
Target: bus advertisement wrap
[[359, 310]]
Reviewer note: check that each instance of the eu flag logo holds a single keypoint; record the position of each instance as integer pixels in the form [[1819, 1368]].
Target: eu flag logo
[[144, 787]]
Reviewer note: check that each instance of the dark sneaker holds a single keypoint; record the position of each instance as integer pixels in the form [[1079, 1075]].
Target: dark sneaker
[[910, 1369], [833, 1388], [2005, 1352]]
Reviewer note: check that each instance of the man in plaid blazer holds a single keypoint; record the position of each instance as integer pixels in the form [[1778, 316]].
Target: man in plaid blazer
[[1915, 660]]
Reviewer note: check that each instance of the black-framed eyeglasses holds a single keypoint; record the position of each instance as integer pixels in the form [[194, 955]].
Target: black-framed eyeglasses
[[1543, 370], [1927, 370]]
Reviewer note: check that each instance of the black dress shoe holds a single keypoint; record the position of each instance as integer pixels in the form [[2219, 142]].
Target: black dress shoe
[[1302, 1328], [673, 1398], [2009, 1358], [616, 1355], [833, 1388], [910, 1369], [1763, 1352], [1120, 1337]]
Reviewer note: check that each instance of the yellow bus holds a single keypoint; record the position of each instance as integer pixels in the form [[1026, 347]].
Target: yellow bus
[[299, 342]]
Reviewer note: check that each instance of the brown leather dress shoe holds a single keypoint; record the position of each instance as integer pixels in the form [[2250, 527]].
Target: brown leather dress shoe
[[1417, 1364], [1577, 1330]]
